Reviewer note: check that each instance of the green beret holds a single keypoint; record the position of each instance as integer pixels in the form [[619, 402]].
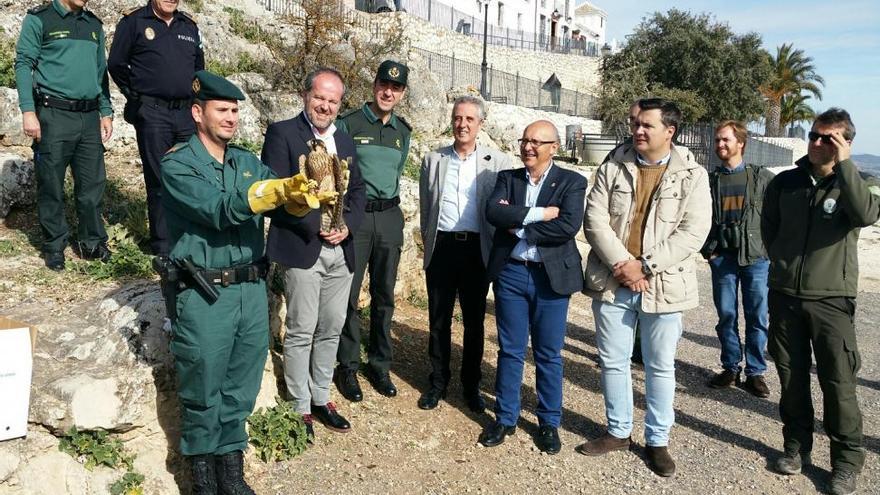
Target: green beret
[[209, 86], [390, 70]]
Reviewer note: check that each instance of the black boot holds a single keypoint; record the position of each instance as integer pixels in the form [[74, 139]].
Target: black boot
[[204, 477], [230, 474]]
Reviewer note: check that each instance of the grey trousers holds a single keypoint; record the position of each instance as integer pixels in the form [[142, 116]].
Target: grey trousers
[[316, 304]]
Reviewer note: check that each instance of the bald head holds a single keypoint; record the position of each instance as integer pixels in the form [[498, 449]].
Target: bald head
[[539, 143]]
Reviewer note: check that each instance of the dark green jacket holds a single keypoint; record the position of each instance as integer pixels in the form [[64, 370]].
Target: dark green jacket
[[812, 231], [61, 54], [206, 205], [752, 245], [381, 149]]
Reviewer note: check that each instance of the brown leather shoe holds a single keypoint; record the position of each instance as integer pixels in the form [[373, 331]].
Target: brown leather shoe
[[603, 445], [660, 461], [757, 386], [726, 378]]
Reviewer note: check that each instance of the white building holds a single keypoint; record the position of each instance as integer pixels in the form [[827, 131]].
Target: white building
[[590, 22]]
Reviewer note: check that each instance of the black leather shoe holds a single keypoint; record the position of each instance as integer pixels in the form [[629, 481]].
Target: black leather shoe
[[382, 383], [55, 261], [230, 474], [99, 252], [495, 434], [547, 440], [310, 428], [431, 398], [475, 402], [327, 415], [204, 475], [347, 383]]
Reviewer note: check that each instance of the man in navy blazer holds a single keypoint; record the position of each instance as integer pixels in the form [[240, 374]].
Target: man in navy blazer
[[535, 266], [317, 265]]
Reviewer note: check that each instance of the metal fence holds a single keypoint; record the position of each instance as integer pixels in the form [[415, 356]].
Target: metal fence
[[505, 87], [445, 16]]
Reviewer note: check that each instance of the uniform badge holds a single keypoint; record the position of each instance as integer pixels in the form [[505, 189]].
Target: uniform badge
[[246, 174], [196, 86], [94, 36], [829, 205], [149, 33], [394, 72], [397, 142]]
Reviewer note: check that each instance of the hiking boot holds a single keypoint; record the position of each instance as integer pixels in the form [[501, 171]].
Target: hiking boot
[[603, 445], [842, 482], [726, 378], [659, 461], [100, 252], [756, 386], [791, 463], [55, 261], [230, 474], [204, 476]]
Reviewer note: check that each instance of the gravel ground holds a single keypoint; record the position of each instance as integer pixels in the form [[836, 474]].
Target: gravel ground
[[722, 441]]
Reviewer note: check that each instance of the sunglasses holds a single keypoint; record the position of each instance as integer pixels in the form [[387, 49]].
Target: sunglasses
[[813, 136]]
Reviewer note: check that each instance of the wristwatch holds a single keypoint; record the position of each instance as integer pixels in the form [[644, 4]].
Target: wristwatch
[[646, 270]]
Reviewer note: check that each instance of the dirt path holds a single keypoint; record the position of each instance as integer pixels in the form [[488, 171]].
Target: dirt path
[[721, 442]]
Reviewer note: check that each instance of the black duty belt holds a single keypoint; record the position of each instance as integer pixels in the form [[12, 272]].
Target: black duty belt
[[533, 264], [381, 204], [237, 274], [164, 103], [458, 236], [64, 104]]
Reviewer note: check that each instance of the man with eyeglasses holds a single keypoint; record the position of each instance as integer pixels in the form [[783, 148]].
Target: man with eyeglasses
[[811, 222], [535, 267], [381, 138], [647, 216]]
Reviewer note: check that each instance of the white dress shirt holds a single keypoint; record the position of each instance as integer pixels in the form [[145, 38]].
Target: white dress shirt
[[459, 208], [326, 136], [524, 251]]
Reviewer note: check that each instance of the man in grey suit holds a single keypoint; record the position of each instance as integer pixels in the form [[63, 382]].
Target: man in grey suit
[[454, 184]]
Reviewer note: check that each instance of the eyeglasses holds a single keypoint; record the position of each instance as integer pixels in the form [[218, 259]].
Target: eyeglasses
[[813, 136], [533, 142]]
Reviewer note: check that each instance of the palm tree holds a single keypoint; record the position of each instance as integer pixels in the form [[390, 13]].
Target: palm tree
[[794, 109], [792, 73]]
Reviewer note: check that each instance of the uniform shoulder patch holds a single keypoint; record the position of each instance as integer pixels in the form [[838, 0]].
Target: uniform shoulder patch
[[188, 16], [176, 147], [39, 8], [404, 122]]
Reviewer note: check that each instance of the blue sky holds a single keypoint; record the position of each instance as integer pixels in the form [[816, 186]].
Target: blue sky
[[842, 36]]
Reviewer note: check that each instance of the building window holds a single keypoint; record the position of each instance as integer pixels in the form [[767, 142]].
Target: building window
[[543, 3], [500, 14], [519, 18], [601, 22]]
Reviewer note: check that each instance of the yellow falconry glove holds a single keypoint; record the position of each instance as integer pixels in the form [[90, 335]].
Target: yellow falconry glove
[[300, 199], [267, 195]]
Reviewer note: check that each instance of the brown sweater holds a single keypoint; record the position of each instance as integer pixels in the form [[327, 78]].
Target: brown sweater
[[649, 179]]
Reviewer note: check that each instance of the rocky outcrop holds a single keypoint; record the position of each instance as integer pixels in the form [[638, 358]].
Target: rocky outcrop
[[17, 183]]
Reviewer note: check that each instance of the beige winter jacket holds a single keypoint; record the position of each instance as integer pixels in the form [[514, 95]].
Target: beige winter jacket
[[678, 221]]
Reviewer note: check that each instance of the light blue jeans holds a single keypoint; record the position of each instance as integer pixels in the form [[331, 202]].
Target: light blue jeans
[[615, 329]]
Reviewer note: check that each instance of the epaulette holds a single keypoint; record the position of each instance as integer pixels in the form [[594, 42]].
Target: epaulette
[[39, 8], [350, 112], [176, 147], [132, 11], [404, 122], [188, 16]]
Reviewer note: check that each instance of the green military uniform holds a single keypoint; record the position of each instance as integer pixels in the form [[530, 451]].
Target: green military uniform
[[382, 150], [219, 348], [811, 229], [61, 73]]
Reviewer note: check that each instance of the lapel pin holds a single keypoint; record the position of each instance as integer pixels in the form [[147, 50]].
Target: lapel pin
[[553, 184]]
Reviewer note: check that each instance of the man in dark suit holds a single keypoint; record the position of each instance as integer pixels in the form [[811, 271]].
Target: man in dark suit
[[318, 264], [535, 267]]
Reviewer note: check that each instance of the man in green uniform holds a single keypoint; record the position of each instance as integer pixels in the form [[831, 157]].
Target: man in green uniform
[[810, 225], [64, 97], [381, 140], [215, 194]]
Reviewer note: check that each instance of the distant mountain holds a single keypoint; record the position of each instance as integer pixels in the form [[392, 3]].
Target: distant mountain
[[868, 163]]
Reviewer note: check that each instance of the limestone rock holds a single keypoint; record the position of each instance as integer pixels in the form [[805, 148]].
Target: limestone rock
[[17, 183], [11, 132]]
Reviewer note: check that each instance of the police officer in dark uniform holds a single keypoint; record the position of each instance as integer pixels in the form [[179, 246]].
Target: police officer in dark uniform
[[64, 97], [155, 52]]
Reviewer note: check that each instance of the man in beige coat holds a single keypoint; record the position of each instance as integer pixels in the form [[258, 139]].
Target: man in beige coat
[[454, 184], [647, 216]]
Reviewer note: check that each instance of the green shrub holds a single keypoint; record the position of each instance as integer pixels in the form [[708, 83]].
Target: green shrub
[[247, 29], [244, 63], [249, 145], [195, 5], [277, 433], [95, 448], [7, 60], [131, 483], [412, 167], [128, 261]]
